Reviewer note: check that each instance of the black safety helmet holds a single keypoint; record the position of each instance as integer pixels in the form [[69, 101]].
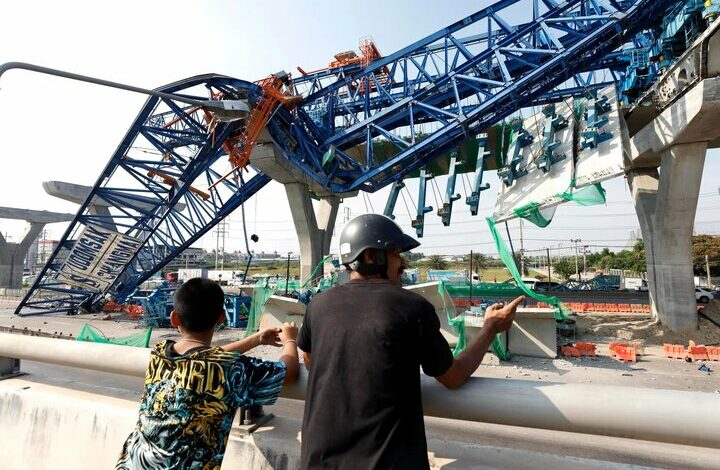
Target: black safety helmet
[[372, 231]]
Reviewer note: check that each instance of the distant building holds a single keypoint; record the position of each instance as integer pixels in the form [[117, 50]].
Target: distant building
[[189, 258], [39, 254]]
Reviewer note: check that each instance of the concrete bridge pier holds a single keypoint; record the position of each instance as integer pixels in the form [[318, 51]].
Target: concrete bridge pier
[[314, 230], [12, 255], [666, 158], [666, 203]]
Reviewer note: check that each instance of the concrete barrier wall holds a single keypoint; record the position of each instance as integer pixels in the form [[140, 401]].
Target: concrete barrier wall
[[47, 427], [50, 427]]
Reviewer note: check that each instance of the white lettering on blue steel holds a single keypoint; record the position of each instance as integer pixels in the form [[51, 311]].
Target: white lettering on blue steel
[[97, 258]]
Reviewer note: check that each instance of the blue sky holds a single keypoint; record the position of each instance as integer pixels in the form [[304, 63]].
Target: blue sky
[[55, 129]]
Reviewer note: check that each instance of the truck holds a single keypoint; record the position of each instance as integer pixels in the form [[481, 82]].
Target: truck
[[635, 283], [185, 274], [225, 277]]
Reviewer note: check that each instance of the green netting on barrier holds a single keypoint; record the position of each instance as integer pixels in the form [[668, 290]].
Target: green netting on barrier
[[261, 294], [93, 335], [457, 322], [561, 311], [291, 286], [483, 289]]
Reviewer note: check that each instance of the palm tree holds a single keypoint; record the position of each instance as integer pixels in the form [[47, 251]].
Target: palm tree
[[480, 261], [437, 262]]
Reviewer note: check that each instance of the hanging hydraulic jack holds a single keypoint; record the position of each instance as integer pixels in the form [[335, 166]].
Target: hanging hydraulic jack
[[593, 134], [473, 200], [445, 212], [419, 222], [553, 124], [392, 199], [512, 171]]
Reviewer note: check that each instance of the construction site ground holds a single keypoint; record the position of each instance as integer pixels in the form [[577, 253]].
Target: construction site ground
[[651, 371]]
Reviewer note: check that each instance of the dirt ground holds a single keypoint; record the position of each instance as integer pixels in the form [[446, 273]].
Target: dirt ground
[[651, 371], [604, 328]]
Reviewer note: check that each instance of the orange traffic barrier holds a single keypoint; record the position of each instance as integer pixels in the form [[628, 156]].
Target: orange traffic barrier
[[587, 307], [713, 353], [623, 352], [612, 308], [542, 305], [599, 307], [624, 308], [645, 308], [570, 351], [698, 353], [586, 349], [636, 308]]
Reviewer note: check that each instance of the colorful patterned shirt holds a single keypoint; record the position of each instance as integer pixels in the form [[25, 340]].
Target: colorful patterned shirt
[[188, 406]]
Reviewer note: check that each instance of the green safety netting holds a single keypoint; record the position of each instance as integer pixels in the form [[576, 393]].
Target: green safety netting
[[533, 213], [261, 294], [561, 311], [592, 195], [315, 270], [292, 285], [91, 334], [483, 289], [588, 196], [457, 322]]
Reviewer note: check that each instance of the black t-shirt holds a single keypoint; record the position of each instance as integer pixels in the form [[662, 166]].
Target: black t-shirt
[[368, 340]]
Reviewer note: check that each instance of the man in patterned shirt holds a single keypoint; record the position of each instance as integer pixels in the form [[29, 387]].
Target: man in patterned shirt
[[192, 390]]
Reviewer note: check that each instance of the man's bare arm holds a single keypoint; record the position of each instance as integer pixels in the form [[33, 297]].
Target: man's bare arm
[[498, 318], [307, 360]]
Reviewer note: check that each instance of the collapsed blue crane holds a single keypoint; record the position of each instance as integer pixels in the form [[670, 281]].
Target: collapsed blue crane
[[161, 182]]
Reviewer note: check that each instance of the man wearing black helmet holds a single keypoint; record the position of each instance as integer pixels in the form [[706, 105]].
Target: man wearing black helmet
[[364, 343]]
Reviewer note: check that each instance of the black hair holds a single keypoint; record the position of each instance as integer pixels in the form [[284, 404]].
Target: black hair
[[377, 268], [198, 304]]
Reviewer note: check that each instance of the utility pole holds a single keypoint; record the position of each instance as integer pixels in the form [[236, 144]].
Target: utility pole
[[471, 280], [707, 269], [576, 241], [522, 250], [585, 258], [287, 274], [220, 231], [548, 265]]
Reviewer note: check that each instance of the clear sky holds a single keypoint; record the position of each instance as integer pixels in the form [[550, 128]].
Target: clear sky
[[55, 129]]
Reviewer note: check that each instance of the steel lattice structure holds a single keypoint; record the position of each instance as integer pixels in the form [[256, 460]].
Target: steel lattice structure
[[460, 80]]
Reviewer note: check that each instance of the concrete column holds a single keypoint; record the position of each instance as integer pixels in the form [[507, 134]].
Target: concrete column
[[666, 206], [12, 257], [314, 232]]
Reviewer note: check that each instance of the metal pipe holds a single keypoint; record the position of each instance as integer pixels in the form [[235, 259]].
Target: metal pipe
[[226, 110], [680, 417]]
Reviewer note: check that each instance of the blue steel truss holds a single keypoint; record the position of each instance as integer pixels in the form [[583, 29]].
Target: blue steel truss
[[462, 89], [425, 99], [155, 190]]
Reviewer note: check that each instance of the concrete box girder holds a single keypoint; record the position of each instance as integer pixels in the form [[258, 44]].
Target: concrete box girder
[[692, 118]]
